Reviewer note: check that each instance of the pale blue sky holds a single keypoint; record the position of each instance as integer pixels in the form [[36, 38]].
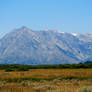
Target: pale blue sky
[[64, 15]]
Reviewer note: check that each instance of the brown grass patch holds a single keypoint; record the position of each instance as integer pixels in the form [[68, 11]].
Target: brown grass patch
[[46, 73]]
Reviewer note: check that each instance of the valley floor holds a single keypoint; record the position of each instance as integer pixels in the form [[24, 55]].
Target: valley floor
[[46, 86], [45, 80], [46, 73]]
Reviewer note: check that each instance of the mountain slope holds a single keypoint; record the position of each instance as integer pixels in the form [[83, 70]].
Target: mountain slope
[[24, 46]]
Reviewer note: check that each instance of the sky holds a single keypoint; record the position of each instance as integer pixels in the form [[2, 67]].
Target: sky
[[73, 16]]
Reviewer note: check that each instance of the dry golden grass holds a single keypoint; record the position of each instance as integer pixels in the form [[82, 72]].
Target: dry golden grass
[[55, 85], [45, 86], [47, 73]]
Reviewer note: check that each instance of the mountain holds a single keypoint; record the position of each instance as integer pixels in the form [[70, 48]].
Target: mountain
[[25, 46]]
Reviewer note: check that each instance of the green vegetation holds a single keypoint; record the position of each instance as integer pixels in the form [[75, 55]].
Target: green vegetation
[[85, 89], [17, 67], [45, 79]]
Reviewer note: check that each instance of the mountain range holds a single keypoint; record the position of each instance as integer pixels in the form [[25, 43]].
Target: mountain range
[[26, 46]]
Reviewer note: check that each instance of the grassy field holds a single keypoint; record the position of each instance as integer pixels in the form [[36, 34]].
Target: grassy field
[[46, 73], [45, 80], [46, 86]]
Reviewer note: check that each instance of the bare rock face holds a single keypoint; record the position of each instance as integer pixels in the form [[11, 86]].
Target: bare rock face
[[24, 46]]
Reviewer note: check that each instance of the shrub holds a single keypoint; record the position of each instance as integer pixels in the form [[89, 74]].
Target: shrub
[[26, 83], [8, 69], [85, 89], [2, 83]]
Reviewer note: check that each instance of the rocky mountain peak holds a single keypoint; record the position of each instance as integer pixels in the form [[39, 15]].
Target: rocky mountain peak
[[24, 46]]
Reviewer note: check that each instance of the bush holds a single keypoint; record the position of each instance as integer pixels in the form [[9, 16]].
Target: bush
[[85, 89], [8, 69], [22, 69]]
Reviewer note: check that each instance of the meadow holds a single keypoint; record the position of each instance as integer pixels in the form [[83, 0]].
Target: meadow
[[45, 80], [46, 73]]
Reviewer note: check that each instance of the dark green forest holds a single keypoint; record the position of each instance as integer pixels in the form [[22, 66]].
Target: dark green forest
[[17, 67]]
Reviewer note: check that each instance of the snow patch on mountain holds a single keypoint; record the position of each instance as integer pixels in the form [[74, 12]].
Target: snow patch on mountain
[[74, 34]]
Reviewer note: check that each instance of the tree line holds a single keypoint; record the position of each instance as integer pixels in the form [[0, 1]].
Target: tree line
[[17, 67]]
